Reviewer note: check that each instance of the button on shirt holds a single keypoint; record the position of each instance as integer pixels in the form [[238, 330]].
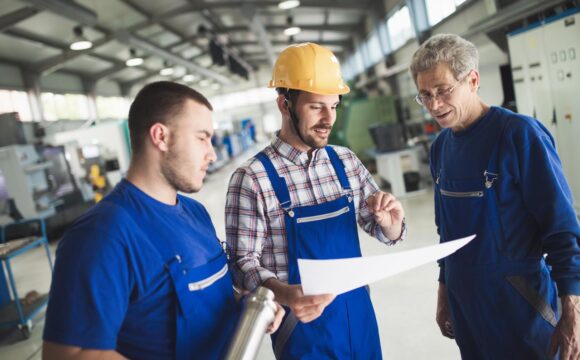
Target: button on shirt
[[255, 231]]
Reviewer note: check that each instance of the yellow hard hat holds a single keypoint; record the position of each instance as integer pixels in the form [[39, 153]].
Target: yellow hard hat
[[309, 67]]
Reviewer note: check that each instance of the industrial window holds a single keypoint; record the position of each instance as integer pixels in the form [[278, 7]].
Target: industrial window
[[438, 10], [65, 106], [373, 46], [347, 69], [354, 65], [358, 61], [15, 101], [400, 27], [112, 107]]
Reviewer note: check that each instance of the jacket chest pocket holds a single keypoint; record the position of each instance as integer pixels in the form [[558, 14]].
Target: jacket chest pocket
[[463, 206], [198, 289]]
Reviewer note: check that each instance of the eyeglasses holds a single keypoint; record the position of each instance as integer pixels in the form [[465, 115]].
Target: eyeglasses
[[441, 95]]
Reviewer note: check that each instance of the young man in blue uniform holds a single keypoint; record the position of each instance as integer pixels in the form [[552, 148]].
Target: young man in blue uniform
[[143, 275], [497, 175], [299, 198]]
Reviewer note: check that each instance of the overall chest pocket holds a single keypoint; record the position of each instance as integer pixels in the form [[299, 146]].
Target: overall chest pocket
[[320, 217]]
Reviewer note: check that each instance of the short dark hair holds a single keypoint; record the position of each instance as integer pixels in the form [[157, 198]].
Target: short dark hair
[[290, 94], [158, 102]]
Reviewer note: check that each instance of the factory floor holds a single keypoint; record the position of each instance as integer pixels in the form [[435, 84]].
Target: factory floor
[[404, 304]]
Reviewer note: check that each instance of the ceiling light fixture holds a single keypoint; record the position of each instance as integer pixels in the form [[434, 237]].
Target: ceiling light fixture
[[288, 4], [80, 42], [188, 78], [134, 60], [291, 31], [167, 70]]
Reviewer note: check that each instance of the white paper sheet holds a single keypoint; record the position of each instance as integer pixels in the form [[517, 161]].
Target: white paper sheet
[[341, 275]]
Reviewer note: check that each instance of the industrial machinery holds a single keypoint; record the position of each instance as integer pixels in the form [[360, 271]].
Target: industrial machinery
[[17, 238], [40, 182], [352, 125], [25, 179], [108, 143], [546, 68]]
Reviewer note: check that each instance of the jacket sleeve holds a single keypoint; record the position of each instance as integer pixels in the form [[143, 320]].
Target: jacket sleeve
[[246, 231], [434, 175], [549, 198]]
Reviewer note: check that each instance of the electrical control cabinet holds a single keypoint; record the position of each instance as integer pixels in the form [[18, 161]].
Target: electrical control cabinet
[[546, 73]]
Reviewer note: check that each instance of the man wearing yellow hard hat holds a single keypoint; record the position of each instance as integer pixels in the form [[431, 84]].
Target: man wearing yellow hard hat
[[301, 198]]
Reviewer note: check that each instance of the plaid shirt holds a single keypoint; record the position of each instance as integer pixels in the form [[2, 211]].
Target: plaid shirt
[[255, 232]]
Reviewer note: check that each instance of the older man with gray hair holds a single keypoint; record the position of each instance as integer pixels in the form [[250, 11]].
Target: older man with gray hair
[[497, 174]]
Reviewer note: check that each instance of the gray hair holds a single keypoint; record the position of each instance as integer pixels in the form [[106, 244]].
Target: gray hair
[[460, 54]]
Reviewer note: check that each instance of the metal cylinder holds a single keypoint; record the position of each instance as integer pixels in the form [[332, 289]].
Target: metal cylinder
[[258, 312]]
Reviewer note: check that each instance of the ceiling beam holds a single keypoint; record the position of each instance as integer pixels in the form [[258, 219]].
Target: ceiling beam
[[16, 16], [151, 19], [167, 54], [80, 14], [263, 6], [26, 35], [209, 15], [344, 43], [68, 9], [136, 41], [127, 85], [118, 66], [337, 28], [257, 27], [43, 40], [54, 63], [186, 40], [260, 55], [108, 72]]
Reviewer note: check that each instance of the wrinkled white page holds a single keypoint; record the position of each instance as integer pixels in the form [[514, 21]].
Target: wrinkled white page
[[341, 275]]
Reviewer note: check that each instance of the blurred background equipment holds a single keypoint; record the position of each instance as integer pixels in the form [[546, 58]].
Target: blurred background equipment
[[356, 115], [41, 184], [16, 238], [545, 68]]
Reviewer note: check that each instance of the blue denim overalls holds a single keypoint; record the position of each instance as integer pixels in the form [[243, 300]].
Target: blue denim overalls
[[347, 329]]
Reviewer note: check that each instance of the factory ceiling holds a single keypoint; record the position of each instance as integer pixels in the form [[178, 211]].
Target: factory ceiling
[[188, 36]]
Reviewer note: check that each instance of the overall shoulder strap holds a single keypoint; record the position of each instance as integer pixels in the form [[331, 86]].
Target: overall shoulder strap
[[278, 182], [338, 166]]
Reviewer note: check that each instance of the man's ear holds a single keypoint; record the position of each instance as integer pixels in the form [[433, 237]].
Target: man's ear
[[474, 80], [283, 105], [159, 136]]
